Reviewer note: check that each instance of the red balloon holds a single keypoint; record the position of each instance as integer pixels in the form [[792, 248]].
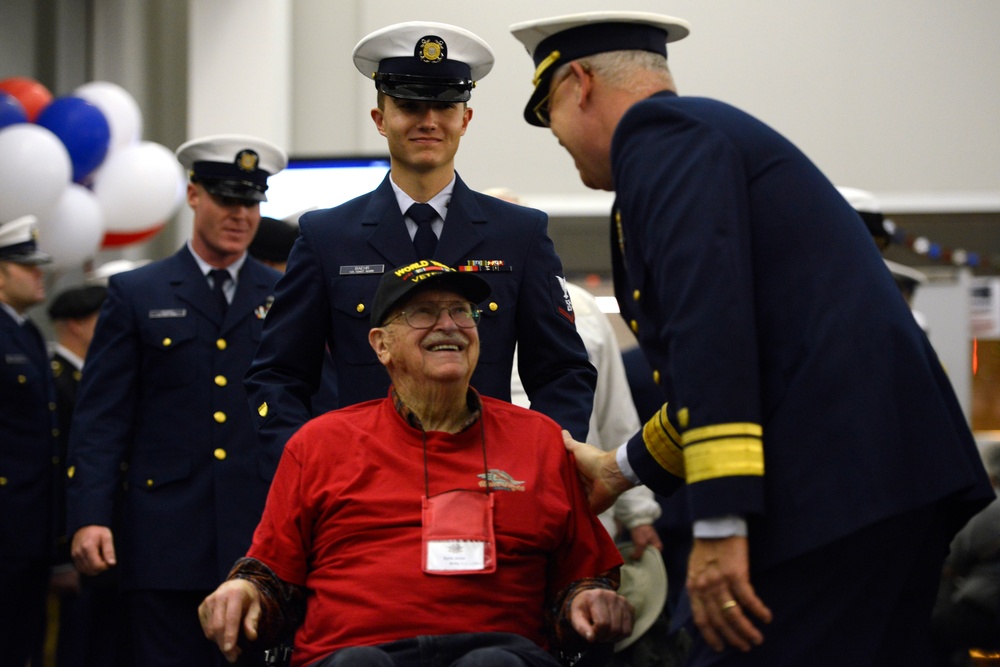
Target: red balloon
[[32, 95], [120, 239]]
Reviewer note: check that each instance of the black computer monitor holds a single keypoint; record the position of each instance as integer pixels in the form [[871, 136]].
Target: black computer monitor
[[321, 182]]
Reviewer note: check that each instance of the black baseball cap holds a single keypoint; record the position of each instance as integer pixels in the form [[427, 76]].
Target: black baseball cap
[[401, 283]]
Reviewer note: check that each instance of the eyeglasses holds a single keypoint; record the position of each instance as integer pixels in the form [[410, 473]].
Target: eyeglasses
[[426, 315], [542, 108]]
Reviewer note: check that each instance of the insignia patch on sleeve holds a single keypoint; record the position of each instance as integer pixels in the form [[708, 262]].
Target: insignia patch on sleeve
[[565, 304]]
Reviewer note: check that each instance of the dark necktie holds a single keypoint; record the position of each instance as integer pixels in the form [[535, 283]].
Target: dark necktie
[[424, 240], [219, 278]]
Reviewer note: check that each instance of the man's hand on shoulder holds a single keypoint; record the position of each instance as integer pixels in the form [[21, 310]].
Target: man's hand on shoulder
[[602, 480]]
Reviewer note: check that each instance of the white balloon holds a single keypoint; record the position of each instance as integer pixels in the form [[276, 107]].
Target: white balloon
[[35, 170], [72, 231], [119, 108], [139, 187]]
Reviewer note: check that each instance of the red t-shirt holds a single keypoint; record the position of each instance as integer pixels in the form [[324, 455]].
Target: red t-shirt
[[343, 519]]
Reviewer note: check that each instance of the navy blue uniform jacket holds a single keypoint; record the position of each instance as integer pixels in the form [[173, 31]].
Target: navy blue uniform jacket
[[28, 454], [801, 392], [162, 392], [325, 298]]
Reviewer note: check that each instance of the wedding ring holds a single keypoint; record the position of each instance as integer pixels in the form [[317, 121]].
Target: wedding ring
[[726, 606]]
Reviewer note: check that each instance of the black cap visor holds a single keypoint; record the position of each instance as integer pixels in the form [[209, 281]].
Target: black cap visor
[[244, 190], [26, 253], [423, 88]]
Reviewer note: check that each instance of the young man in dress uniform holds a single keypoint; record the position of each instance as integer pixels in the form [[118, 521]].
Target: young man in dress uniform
[[423, 74], [826, 459], [28, 452], [162, 393]]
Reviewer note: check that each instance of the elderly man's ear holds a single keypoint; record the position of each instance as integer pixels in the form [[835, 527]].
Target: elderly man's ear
[[378, 339]]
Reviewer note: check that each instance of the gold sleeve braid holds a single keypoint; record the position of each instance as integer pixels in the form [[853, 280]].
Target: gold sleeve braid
[[664, 443], [723, 450]]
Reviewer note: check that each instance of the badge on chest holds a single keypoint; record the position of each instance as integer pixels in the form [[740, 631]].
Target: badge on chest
[[458, 533]]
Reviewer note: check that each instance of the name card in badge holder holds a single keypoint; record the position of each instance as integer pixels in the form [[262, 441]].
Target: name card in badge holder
[[458, 533]]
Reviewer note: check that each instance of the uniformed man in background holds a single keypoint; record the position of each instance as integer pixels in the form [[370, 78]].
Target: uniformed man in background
[[84, 612], [273, 242], [423, 74], [162, 391], [28, 453]]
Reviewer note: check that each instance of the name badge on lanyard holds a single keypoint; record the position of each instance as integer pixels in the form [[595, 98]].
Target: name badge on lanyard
[[458, 533]]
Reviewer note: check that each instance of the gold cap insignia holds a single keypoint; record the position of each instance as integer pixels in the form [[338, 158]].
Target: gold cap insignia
[[247, 160], [431, 49]]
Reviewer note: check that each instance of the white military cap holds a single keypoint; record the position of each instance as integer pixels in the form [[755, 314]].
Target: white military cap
[[558, 40], [906, 274], [100, 275], [421, 60], [19, 242], [868, 207], [860, 200], [232, 165]]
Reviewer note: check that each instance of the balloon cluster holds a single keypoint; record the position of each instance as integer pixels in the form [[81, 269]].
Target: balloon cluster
[[78, 164]]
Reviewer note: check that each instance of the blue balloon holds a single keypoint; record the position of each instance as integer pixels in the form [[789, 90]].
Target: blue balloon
[[11, 111], [82, 128]]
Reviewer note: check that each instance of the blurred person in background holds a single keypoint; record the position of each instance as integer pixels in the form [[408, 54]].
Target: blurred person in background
[[29, 454]]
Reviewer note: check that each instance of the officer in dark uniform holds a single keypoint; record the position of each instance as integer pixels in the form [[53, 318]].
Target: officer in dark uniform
[[825, 457], [28, 451], [162, 392], [424, 74], [90, 624], [74, 317]]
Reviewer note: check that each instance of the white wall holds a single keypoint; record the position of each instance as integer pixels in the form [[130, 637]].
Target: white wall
[[892, 95]]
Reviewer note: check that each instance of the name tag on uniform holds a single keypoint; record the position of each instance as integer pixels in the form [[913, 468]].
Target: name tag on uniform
[[165, 313], [361, 269], [16, 358]]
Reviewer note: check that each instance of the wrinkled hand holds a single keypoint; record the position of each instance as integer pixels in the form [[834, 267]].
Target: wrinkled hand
[[718, 584], [93, 549], [600, 615], [602, 479], [644, 536], [234, 606]]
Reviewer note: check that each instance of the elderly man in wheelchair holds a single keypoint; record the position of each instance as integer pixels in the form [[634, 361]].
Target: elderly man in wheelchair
[[432, 525]]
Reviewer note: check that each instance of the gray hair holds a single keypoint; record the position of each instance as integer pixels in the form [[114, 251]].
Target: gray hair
[[631, 71]]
